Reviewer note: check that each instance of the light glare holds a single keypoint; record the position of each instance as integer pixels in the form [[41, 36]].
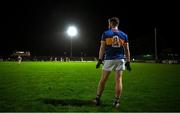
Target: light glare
[[72, 31]]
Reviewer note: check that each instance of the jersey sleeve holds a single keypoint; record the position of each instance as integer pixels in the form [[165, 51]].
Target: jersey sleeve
[[126, 38], [103, 37]]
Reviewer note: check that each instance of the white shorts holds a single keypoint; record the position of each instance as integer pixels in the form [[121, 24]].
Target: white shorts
[[115, 65]]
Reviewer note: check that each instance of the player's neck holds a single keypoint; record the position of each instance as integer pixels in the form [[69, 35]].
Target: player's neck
[[115, 28]]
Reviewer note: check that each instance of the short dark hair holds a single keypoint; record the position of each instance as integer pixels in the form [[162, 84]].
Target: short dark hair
[[114, 21]]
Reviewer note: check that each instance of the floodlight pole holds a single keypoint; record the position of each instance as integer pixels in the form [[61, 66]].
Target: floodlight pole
[[155, 44], [71, 32], [71, 47]]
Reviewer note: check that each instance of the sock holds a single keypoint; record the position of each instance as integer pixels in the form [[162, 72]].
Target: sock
[[116, 99], [98, 97]]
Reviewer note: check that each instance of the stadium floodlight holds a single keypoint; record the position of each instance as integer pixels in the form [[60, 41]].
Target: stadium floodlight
[[72, 32]]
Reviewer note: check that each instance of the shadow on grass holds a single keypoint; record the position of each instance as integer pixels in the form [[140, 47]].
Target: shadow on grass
[[65, 102]]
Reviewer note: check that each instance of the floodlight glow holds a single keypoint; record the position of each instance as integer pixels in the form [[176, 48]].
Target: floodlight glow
[[21, 52], [72, 31]]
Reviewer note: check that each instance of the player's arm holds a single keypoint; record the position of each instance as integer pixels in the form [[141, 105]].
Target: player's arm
[[101, 53], [127, 52], [101, 50]]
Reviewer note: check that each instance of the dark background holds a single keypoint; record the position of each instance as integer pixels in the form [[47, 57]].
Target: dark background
[[40, 26]]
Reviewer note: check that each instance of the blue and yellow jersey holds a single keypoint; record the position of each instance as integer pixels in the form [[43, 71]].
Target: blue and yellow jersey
[[114, 40]]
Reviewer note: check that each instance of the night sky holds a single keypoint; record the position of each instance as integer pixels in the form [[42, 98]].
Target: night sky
[[40, 26]]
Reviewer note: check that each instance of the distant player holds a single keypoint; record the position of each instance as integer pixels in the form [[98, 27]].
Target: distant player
[[19, 59], [55, 59], [61, 59], [51, 58], [114, 46]]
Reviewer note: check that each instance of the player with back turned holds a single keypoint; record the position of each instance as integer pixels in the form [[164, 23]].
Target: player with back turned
[[115, 51], [19, 59]]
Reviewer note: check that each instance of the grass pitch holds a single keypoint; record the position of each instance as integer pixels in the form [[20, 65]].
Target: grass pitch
[[69, 86]]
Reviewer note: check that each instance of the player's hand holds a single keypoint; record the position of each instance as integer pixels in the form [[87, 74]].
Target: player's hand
[[99, 63], [128, 66]]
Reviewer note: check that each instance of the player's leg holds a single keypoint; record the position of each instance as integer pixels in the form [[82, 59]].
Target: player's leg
[[107, 68], [118, 82], [101, 86], [118, 87], [102, 82]]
